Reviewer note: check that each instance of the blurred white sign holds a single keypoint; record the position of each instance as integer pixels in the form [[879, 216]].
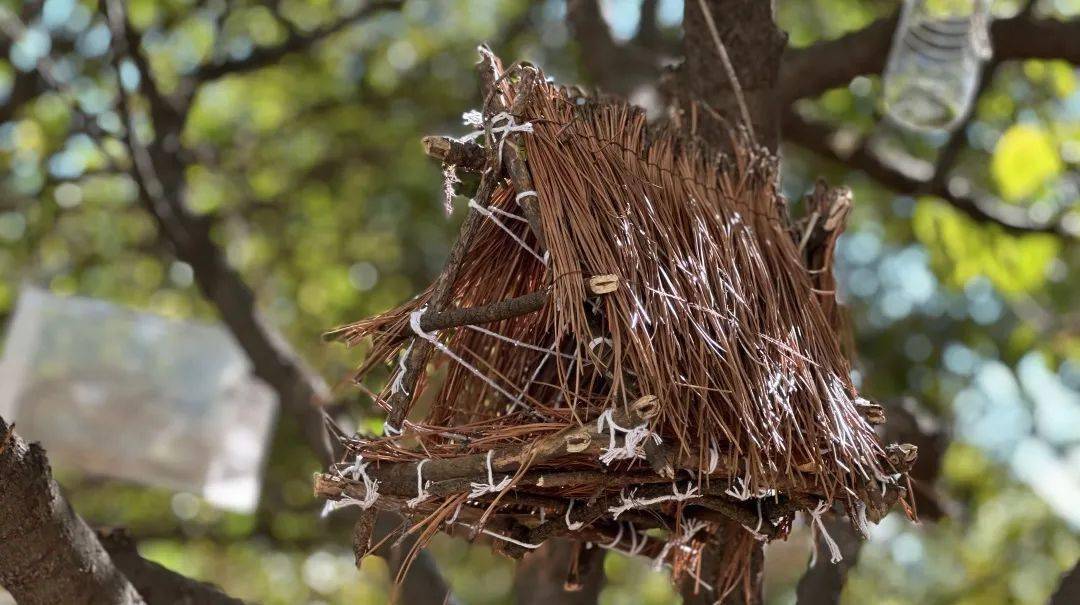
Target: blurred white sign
[[135, 396]]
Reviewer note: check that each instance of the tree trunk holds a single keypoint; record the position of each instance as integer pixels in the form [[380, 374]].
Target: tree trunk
[[48, 555], [541, 576], [824, 581], [754, 46]]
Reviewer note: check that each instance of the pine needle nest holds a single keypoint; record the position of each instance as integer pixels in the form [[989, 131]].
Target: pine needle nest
[[631, 347]]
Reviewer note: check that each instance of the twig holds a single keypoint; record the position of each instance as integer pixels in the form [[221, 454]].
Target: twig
[[728, 68]]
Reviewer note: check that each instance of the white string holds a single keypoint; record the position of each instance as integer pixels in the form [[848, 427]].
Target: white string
[[491, 216], [398, 385], [518, 343], [500, 536], [509, 215], [391, 430], [511, 540], [525, 194], [634, 502], [457, 511], [817, 525], [635, 547], [571, 525], [414, 323], [421, 487], [714, 459], [690, 529], [614, 542], [596, 341], [479, 489], [860, 518], [358, 471], [632, 440]]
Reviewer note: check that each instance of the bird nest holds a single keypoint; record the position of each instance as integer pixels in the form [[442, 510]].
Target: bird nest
[[630, 347]]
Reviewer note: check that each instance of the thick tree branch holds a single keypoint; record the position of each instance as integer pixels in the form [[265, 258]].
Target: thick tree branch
[[754, 45], [810, 71], [560, 572], [47, 553], [158, 585], [295, 42]]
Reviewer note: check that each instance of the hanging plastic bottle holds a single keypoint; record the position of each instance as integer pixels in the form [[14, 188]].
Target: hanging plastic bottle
[[934, 65]]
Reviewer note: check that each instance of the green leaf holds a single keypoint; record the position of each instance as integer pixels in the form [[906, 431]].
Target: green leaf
[[1024, 159], [960, 249]]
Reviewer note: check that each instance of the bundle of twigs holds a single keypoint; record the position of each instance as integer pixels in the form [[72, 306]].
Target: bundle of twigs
[[628, 337]]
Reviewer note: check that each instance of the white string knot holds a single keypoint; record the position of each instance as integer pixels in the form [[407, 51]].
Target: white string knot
[[632, 441], [389, 429], [525, 194], [476, 120], [421, 487], [357, 471], [479, 489], [473, 118], [572, 525], [632, 501], [817, 525]]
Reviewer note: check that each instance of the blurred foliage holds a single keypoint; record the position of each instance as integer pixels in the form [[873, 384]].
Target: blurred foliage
[[313, 171]]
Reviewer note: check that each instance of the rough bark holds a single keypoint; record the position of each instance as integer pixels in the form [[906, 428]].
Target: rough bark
[[754, 45], [48, 555]]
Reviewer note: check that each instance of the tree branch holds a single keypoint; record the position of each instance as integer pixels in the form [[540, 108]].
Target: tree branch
[[617, 68], [824, 581], [294, 42], [160, 177], [810, 71], [47, 553], [816, 138], [157, 584], [1068, 591], [560, 572]]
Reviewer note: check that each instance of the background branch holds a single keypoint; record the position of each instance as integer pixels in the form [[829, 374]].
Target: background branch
[[295, 42], [817, 138], [810, 71]]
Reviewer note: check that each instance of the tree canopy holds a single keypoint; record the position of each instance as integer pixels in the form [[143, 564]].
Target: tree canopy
[[291, 187]]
